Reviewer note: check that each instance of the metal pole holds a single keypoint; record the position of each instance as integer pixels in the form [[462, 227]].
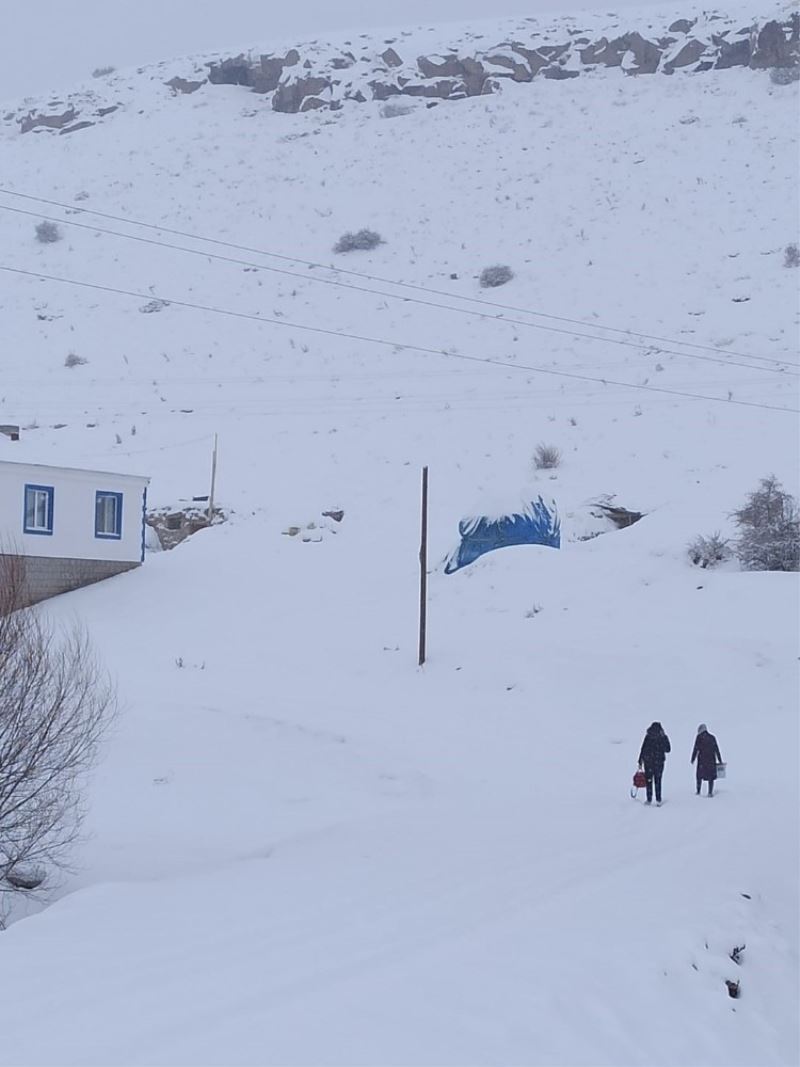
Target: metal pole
[[423, 570], [210, 513]]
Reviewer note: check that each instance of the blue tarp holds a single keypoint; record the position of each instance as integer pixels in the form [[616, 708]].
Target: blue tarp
[[536, 523]]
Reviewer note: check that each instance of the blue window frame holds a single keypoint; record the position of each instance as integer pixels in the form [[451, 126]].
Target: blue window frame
[[108, 515], [38, 509]]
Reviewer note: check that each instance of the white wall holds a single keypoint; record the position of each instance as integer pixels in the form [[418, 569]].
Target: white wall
[[73, 512]]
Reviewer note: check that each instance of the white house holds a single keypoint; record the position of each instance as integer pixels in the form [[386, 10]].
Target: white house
[[71, 527]]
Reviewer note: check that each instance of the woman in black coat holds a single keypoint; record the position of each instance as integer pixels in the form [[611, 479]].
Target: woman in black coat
[[652, 755], [706, 752]]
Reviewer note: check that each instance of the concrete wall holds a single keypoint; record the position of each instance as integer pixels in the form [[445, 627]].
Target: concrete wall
[[44, 576], [73, 536]]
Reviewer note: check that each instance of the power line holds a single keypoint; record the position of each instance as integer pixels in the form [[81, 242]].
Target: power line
[[718, 358], [405, 299], [394, 344]]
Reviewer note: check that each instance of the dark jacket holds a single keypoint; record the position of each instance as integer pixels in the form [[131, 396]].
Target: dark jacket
[[706, 752], [654, 747]]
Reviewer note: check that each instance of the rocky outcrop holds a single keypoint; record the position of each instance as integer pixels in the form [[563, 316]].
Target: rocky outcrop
[[317, 77], [685, 45], [48, 122]]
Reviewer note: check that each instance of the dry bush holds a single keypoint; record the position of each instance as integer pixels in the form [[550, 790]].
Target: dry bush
[[55, 702], [708, 551], [492, 277], [47, 233], [361, 241], [546, 457]]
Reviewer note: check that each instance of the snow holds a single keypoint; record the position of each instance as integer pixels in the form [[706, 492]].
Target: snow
[[302, 849]]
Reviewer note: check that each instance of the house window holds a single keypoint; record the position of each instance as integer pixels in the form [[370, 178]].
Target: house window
[[108, 515], [38, 518]]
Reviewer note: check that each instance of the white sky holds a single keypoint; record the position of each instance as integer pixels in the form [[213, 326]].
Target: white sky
[[57, 43]]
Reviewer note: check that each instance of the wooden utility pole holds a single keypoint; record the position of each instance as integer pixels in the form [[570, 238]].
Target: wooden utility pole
[[423, 570], [210, 512]]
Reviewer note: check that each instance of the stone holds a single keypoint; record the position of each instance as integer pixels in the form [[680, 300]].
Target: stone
[[773, 49], [74, 129], [520, 72], [690, 53], [49, 122], [609, 53], [182, 85], [733, 55], [553, 51], [647, 55], [313, 103], [230, 72], [442, 89], [535, 60], [450, 67], [681, 25], [103, 111], [560, 73], [289, 96], [384, 90], [391, 58]]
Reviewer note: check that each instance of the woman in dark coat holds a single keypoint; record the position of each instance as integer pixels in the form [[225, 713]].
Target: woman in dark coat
[[706, 752], [652, 755]]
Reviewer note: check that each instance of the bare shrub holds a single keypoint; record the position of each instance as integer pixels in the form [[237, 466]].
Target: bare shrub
[[784, 75], [492, 277], [74, 360], [769, 529], [708, 551], [54, 704], [791, 255], [47, 233], [102, 72], [546, 457], [361, 241]]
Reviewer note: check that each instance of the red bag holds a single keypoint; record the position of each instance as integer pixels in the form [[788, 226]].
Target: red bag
[[639, 782]]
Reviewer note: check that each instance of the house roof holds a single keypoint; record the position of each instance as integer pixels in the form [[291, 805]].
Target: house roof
[[72, 470]]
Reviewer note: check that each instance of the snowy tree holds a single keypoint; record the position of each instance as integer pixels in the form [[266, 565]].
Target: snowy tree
[[769, 529]]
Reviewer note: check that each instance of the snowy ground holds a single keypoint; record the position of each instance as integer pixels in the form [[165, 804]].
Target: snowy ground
[[304, 849]]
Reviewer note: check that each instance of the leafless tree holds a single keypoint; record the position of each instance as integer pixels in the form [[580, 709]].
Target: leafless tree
[[54, 704]]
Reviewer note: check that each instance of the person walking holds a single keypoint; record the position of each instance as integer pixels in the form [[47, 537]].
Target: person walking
[[706, 752], [652, 756]]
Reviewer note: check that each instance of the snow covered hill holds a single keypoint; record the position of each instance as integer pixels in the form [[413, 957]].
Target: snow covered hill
[[304, 849]]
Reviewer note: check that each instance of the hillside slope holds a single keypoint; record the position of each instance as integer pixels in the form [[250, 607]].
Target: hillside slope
[[304, 849]]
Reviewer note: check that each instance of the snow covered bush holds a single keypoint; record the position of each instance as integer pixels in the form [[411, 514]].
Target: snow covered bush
[[791, 255], [102, 72], [546, 457], [47, 233], [708, 551], [54, 704], [361, 241], [492, 277], [769, 529]]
